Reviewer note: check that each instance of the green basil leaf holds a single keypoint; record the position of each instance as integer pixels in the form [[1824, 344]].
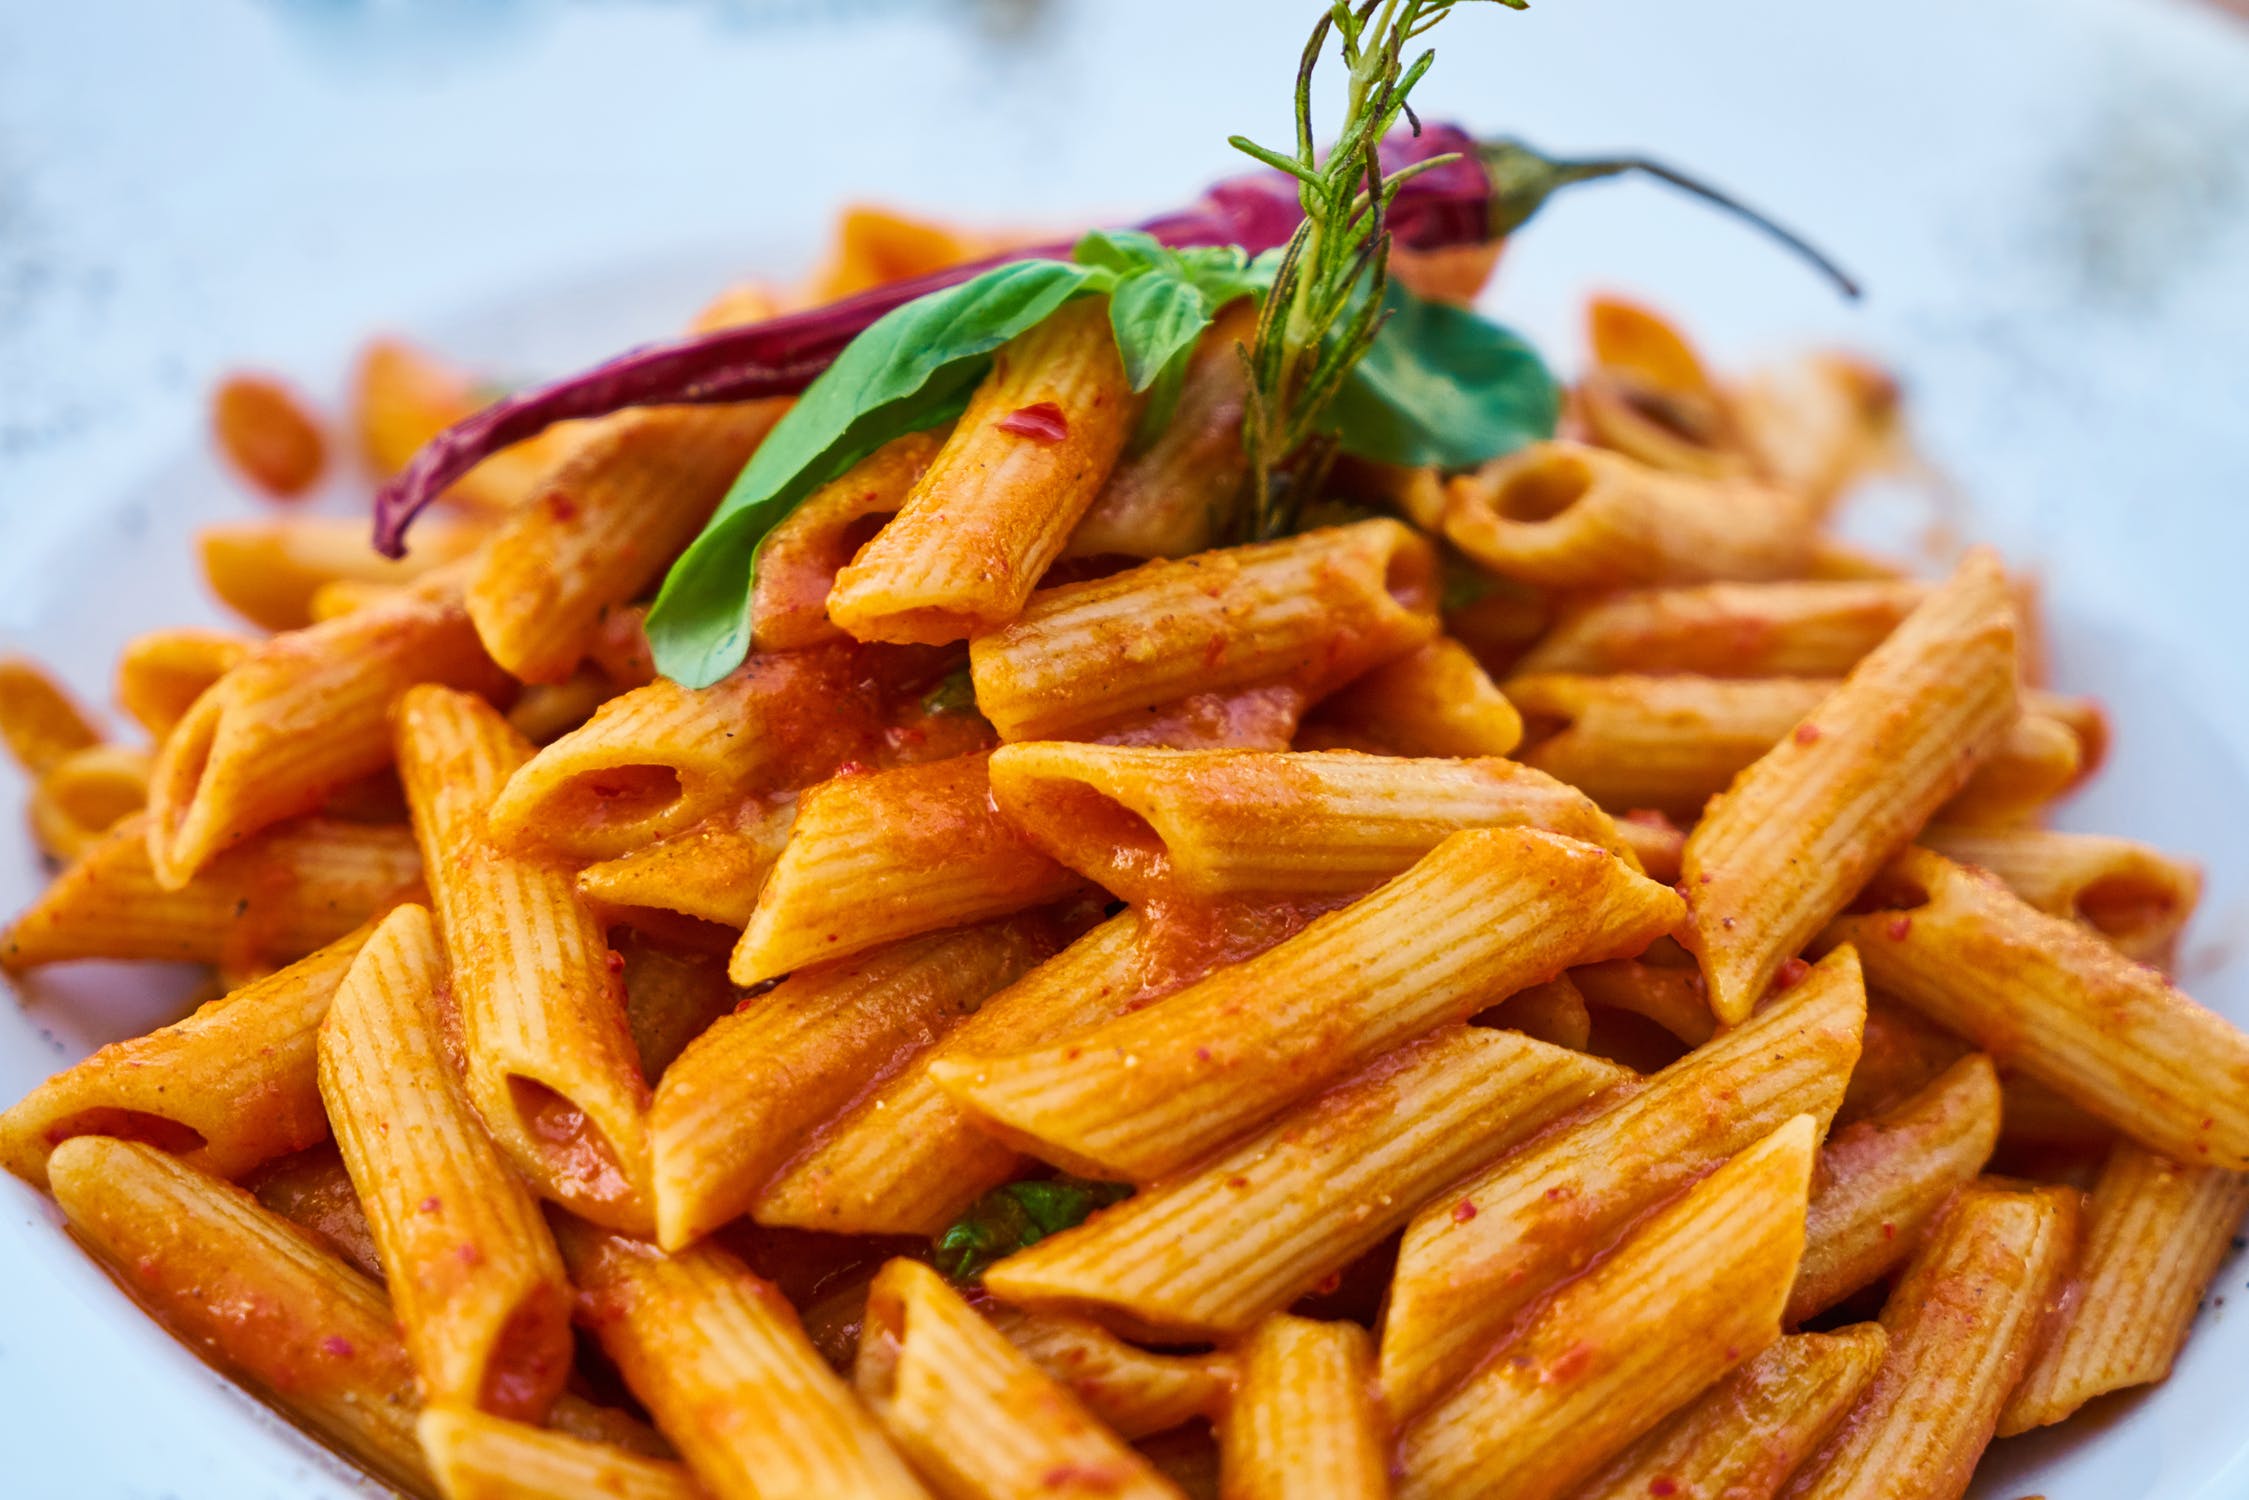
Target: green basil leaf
[[1015, 1217], [912, 369], [1442, 386], [1122, 251], [1157, 316]]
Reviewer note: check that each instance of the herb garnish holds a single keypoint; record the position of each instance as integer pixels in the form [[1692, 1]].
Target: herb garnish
[[1017, 1216]]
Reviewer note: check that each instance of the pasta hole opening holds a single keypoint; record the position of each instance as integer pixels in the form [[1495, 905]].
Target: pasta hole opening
[[1891, 894], [854, 535], [881, 1338], [119, 1123], [1542, 488], [1541, 725], [1686, 416], [2125, 905], [620, 796], [187, 763], [574, 1149], [1409, 576], [531, 1357], [1094, 818]]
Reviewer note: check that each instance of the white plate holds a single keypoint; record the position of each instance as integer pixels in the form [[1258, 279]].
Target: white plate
[[2050, 199]]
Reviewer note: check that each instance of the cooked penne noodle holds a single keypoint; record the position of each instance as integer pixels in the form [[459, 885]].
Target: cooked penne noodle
[[1313, 612], [271, 899], [86, 794], [39, 722], [1564, 515], [247, 1290], [873, 246], [1304, 1421], [1477, 1256], [1133, 1390], [2137, 897], [1963, 1323], [1790, 629], [303, 715], [2155, 1233], [1743, 1437], [1553, 1012], [1655, 841], [1673, 743], [1882, 1181], [476, 1456], [748, 1093], [877, 857], [548, 1052], [546, 711], [718, 1357], [1253, 1228], [798, 561], [404, 395], [1816, 423], [1168, 499], [1672, 998], [1689, 1295], [269, 571], [1479, 917], [1830, 802], [1646, 393], [972, 1413], [2048, 997], [474, 1276], [1436, 700], [229, 1087], [161, 674], [907, 1159], [1203, 823], [661, 758], [632, 491], [311, 1189], [1899, 1054], [1003, 493], [712, 870]]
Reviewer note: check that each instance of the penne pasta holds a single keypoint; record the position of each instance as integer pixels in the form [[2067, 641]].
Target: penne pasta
[[1963, 1323], [548, 1053], [476, 1456], [601, 526], [303, 715], [161, 674], [1207, 823], [1788, 629], [269, 900], [474, 1276], [749, 1092], [1882, 1181], [1311, 612], [1564, 515], [893, 854], [2047, 997], [1817, 423], [1133, 1390], [718, 1357], [2155, 1234], [1436, 700], [1247, 1232], [1474, 1259], [1743, 1437], [268, 572], [1690, 1294], [907, 1159], [85, 795], [1899, 1054], [1673, 998], [1304, 1421], [712, 870], [1479, 917], [39, 722], [1170, 498], [972, 1413], [1673, 743], [404, 395], [311, 1189], [1901, 734], [999, 500], [247, 1290], [229, 1087], [672, 996], [799, 559], [658, 759], [1553, 1012], [1646, 393], [2136, 897]]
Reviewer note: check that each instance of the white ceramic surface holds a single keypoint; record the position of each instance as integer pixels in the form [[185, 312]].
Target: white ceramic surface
[[2049, 199]]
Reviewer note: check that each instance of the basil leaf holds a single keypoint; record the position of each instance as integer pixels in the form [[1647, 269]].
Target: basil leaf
[[1122, 251], [1157, 316], [1017, 1216], [1442, 386], [912, 369]]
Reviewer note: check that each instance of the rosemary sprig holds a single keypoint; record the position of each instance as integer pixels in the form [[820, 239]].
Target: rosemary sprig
[[1325, 305]]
